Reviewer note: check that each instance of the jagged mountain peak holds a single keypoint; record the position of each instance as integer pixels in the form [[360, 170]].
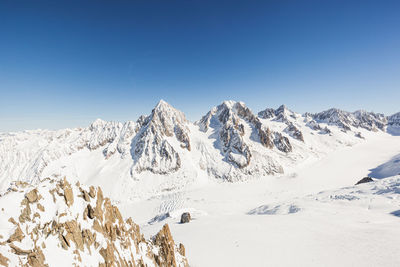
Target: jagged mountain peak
[[163, 106], [282, 108], [167, 114], [232, 104], [282, 113], [228, 111]]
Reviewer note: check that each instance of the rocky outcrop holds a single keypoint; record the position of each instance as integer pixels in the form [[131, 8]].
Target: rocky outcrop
[[82, 226], [281, 114], [185, 217], [284, 115], [282, 143], [267, 113], [317, 127], [294, 132], [3, 261], [365, 180]]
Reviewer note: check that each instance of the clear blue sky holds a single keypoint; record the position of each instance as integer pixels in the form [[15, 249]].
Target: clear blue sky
[[65, 63]]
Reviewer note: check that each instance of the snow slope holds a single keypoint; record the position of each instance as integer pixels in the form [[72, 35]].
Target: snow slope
[[314, 216]]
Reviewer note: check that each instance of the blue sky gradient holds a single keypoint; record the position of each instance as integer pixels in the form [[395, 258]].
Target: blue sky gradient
[[66, 63]]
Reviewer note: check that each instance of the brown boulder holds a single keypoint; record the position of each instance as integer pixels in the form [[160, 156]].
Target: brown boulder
[[68, 194], [16, 236], [32, 196]]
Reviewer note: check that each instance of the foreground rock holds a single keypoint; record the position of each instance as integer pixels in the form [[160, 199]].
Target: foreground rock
[[59, 223], [185, 218], [365, 180]]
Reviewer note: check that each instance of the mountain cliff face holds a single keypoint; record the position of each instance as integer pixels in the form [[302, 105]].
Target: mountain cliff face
[[284, 115], [58, 223], [237, 132]]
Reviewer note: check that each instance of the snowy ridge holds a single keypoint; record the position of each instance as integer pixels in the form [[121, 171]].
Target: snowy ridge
[[164, 151], [358, 119], [25, 155]]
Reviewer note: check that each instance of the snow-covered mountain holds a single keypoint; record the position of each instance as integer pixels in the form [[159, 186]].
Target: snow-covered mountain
[[164, 151], [154, 148], [242, 140], [358, 119]]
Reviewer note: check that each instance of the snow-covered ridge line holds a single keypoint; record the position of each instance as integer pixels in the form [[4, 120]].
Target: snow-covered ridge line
[[229, 142]]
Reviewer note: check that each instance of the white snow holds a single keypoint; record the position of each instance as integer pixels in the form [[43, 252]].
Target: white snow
[[312, 215]]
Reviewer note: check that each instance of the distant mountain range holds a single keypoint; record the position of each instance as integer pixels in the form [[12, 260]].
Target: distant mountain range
[[229, 143]]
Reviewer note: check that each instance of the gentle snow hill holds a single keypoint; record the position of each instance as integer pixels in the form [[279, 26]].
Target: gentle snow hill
[[57, 223], [164, 152]]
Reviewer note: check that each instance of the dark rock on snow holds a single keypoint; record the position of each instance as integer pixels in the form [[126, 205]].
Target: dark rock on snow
[[185, 217], [365, 180]]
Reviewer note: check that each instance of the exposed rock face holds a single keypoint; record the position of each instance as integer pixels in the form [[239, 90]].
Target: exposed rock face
[[283, 114], [365, 180], [229, 120], [359, 135], [236, 130], [359, 119], [152, 151], [82, 235], [317, 127], [185, 217], [231, 131], [293, 131], [3, 261], [394, 120], [282, 143], [267, 113]]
